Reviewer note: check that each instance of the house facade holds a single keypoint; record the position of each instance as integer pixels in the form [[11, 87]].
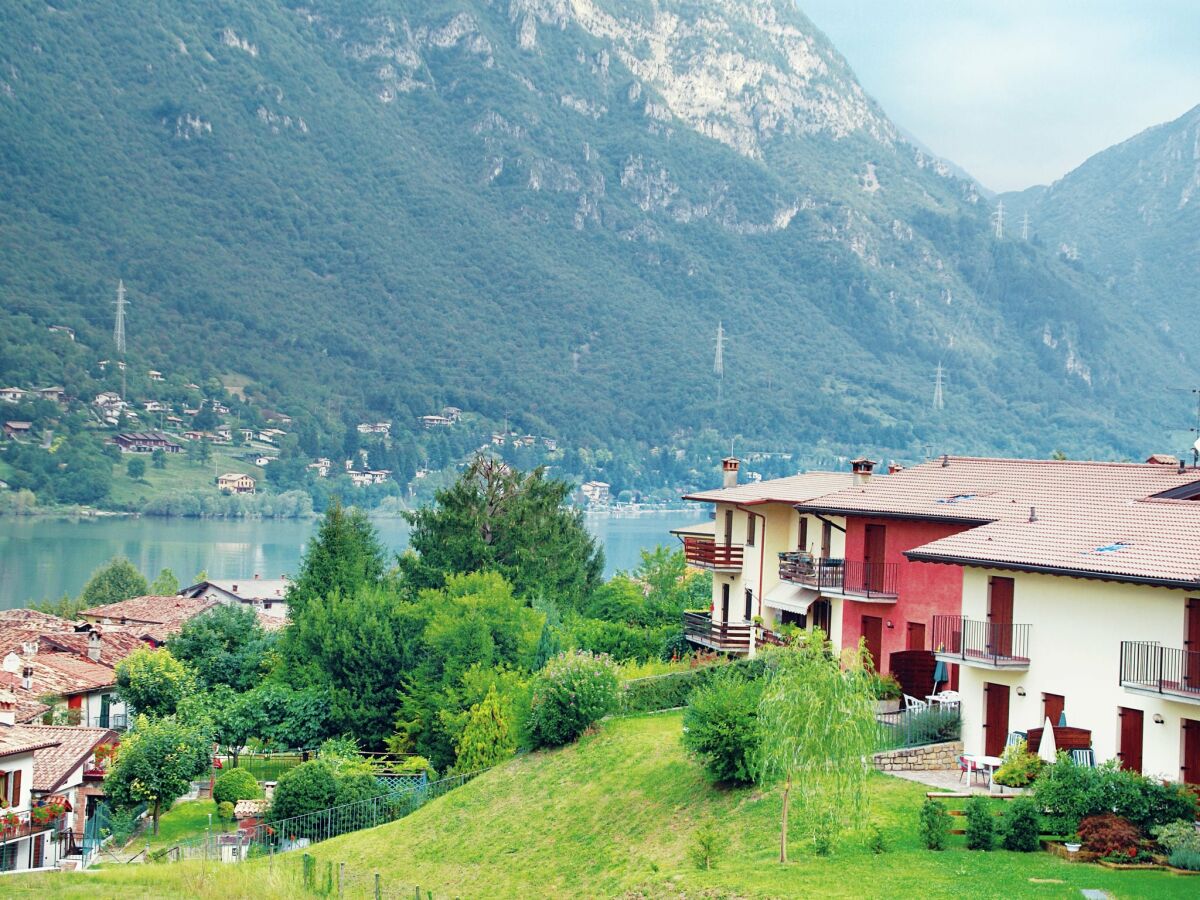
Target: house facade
[[235, 483], [145, 442], [267, 596], [1087, 615], [764, 557]]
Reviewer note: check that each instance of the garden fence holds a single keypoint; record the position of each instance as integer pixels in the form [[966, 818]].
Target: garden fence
[[263, 766], [302, 831], [916, 728]]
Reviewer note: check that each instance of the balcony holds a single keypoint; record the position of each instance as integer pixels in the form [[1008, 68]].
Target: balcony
[[706, 553], [1147, 667], [731, 638], [17, 825], [986, 645], [853, 579]]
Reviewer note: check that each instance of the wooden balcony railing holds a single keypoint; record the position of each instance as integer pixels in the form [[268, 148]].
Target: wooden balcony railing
[[972, 641], [700, 629], [1149, 666], [708, 554], [842, 576]]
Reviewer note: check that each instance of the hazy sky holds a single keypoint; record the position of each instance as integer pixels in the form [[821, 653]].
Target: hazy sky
[[1019, 92]]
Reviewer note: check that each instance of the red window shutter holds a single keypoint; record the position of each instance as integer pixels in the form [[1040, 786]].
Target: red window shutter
[[16, 789], [75, 701]]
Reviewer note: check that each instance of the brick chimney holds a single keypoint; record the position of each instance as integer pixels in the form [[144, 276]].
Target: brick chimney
[[729, 467], [8, 710], [894, 467], [862, 468], [94, 645]]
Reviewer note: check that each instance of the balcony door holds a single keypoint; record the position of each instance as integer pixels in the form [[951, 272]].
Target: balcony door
[[915, 636], [872, 632], [995, 718], [1190, 770], [1191, 647], [724, 603], [729, 528], [873, 544], [1130, 751], [1000, 617]]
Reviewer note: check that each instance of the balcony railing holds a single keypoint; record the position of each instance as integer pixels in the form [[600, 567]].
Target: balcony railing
[[708, 554], [16, 825], [1149, 666], [115, 721], [851, 577], [1000, 645], [700, 629]]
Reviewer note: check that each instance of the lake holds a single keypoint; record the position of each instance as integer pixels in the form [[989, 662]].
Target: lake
[[45, 558]]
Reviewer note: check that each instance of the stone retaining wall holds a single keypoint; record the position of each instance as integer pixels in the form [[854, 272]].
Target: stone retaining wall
[[929, 757]]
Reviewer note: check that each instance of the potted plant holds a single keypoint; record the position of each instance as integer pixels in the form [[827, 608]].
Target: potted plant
[[887, 693], [1017, 770], [9, 821]]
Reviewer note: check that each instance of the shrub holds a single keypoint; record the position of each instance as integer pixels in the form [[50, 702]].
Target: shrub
[[886, 687], [1185, 858], [1109, 835], [573, 691], [1178, 835], [928, 726], [235, 784], [720, 726], [415, 765], [706, 845], [876, 842], [309, 787], [934, 825], [225, 810], [981, 825], [1021, 826], [1019, 767], [1070, 793]]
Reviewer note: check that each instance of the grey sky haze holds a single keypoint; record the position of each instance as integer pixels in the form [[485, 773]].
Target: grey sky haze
[[1019, 92]]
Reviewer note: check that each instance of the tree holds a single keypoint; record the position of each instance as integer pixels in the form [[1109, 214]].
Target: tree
[[226, 645], [235, 784], [206, 418], [153, 681], [156, 764], [720, 726], [344, 555], [488, 738], [499, 519], [307, 788], [118, 580], [165, 585], [818, 732], [201, 451], [158, 458], [136, 468]]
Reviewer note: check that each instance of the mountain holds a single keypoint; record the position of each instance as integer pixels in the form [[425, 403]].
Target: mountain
[[536, 209], [1130, 215]]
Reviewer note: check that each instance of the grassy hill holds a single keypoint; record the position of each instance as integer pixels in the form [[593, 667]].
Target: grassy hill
[[614, 816]]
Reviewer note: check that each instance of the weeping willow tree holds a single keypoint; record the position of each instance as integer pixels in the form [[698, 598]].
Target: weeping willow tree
[[817, 716]]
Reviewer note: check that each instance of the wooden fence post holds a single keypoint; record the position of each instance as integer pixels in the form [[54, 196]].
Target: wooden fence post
[[378, 888], [341, 875]]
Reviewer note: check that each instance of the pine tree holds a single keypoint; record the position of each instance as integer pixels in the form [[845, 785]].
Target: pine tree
[[343, 556]]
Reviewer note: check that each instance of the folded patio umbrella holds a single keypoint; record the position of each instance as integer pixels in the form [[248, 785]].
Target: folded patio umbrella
[[1062, 719], [939, 675], [1046, 749]]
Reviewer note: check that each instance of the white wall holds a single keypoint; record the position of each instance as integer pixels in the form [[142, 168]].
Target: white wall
[[1074, 650]]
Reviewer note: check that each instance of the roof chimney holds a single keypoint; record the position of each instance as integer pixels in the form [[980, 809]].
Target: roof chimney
[[729, 467], [27, 677], [94, 645], [8, 712], [1032, 514], [894, 467], [945, 460], [862, 468]]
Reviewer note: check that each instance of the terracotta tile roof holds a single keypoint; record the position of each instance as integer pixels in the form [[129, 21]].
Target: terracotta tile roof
[[16, 739], [250, 809], [53, 765], [33, 618], [976, 490], [270, 622], [116, 643], [793, 489], [66, 673], [26, 707], [169, 612], [1155, 542]]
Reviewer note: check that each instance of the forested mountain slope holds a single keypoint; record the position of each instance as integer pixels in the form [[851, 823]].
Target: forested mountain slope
[[1131, 216], [537, 208]]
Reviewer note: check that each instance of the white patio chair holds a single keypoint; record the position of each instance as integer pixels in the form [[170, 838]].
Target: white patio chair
[[913, 704]]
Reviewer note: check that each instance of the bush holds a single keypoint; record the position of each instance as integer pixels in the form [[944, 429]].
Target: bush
[[1070, 793], [415, 765], [720, 726], [876, 842], [671, 691], [886, 687], [1185, 858], [235, 784], [928, 726], [1109, 835], [934, 825], [1019, 767], [981, 825], [1177, 835], [309, 787], [1021, 826], [574, 690], [225, 810], [706, 845]]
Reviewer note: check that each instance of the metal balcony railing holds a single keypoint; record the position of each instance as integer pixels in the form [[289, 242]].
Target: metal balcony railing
[[973, 641], [1149, 666]]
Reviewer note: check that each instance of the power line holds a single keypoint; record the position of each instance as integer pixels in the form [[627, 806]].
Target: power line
[[998, 218], [119, 331], [719, 359], [1025, 227], [939, 400]]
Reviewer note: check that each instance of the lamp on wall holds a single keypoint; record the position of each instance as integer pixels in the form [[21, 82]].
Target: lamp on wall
[[889, 624], [1158, 719], [1020, 691]]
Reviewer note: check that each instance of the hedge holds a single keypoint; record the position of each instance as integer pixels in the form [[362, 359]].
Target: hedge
[[671, 691]]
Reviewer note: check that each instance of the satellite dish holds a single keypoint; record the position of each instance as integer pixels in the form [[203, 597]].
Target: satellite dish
[[1196, 446]]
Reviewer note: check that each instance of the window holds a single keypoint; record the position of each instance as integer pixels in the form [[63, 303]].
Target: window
[[750, 529], [4, 800]]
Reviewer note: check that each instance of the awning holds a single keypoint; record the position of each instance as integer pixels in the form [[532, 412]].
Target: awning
[[792, 597], [700, 529]]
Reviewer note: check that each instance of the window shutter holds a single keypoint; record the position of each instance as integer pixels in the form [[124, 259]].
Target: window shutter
[[16, 789]]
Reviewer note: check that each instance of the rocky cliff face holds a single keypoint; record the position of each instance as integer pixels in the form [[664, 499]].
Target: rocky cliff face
[[547, 205]]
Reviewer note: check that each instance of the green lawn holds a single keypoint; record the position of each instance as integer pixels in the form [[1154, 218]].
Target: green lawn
[[615, 816], [181, 474], [184, 821]]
